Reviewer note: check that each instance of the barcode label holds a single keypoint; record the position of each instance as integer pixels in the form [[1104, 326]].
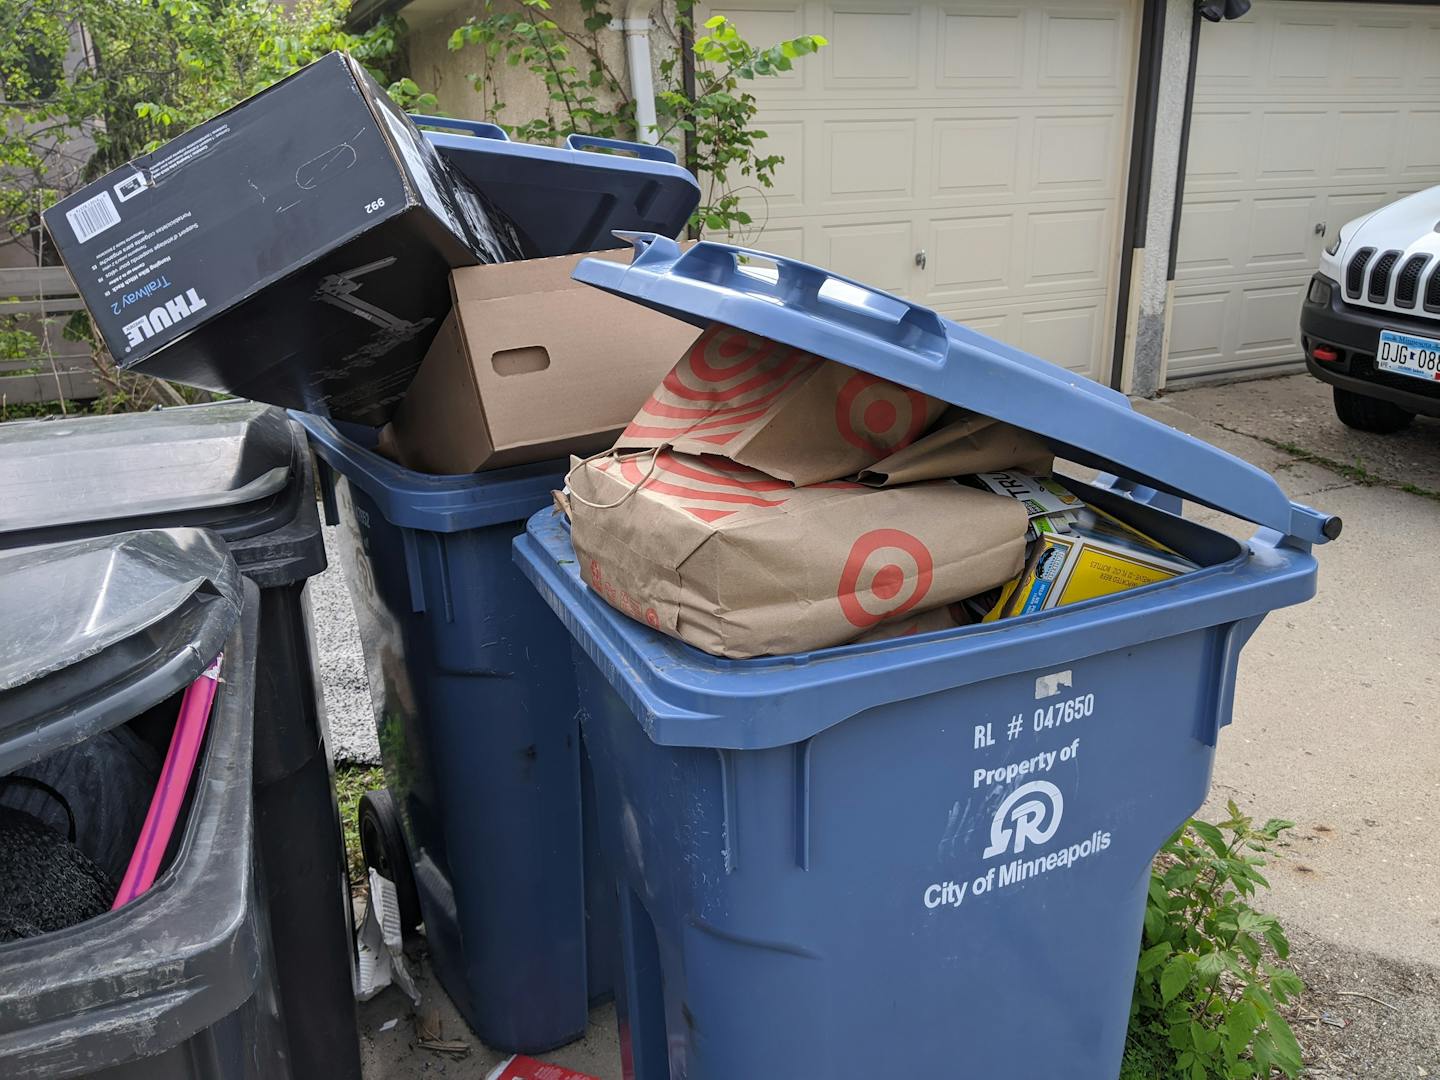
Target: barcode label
[[93, 216]]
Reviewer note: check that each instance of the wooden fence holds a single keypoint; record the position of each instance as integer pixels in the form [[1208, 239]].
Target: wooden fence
[[65, 369]]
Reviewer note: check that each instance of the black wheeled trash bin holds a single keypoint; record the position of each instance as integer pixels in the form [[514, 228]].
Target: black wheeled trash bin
[[242, 470], [105, 634]]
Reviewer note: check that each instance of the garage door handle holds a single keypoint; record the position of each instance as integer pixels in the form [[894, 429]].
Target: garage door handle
[[920, 258], [1320, 228]]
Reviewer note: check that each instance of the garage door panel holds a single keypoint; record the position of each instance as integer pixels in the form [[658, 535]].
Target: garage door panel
[[1220, 146], [872, 46], [1281, 232], [981, 49], [1303, 53], [1422, 142], [1069, 336], [1292, 144], [1209, 230], [1083, 48], [975, 157], [1374, 48], [1197, 325], [1305, 112], [1268, 318], [1074, 154], [1364, 142], [787, 241], [786, 138], [1066, 248], [1236, 66], [972, 257], [877, 253], [867, 160]]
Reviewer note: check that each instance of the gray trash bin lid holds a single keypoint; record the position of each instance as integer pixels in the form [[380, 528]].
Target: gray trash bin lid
[[222, 461], [96, 631], [239, 468]]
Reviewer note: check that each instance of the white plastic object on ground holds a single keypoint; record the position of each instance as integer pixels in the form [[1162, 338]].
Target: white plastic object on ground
[[380, 945]]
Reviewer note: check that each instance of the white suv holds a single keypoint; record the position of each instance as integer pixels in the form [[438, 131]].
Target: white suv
[[1371, 320]]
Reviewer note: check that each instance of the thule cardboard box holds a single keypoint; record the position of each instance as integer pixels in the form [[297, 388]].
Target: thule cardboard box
[[294, 249], [531, 366]]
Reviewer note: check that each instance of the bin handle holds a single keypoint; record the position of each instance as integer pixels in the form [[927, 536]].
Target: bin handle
[[479, 128], [579, 141], [1161, 500], [802, 288]]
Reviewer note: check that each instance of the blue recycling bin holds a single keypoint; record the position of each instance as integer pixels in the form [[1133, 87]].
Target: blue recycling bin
[[476, 710], [927, 856]]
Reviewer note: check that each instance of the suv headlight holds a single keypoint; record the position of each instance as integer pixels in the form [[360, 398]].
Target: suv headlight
[[1319, 291], [1333, 248]]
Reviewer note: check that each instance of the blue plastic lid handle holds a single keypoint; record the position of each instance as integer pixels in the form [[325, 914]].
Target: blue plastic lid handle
[[577, 141], [479, 128]]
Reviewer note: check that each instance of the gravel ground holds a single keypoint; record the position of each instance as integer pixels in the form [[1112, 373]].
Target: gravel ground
[[342, 665], [1364, 1016]]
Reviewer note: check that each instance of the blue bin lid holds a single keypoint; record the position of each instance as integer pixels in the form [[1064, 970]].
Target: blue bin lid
[[570, 199], [834, 317]]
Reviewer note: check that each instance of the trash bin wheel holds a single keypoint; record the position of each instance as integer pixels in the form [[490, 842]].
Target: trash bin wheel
[[382, 845]]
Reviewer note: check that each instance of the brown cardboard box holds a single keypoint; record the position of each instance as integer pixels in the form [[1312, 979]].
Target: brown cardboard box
[[530, 366]]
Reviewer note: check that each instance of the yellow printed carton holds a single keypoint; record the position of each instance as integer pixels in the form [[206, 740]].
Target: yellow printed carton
[[1094, 555]]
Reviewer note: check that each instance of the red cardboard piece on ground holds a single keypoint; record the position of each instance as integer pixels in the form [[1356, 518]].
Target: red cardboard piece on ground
[[521, 1067]]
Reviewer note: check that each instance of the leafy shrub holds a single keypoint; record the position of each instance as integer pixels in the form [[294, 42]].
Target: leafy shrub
[[1210, 982]]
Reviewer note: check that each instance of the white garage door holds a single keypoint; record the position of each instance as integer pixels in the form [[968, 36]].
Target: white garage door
[[1305, 114], [989, 137]]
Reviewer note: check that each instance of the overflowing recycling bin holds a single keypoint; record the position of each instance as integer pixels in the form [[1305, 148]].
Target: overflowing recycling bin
[[242, 470], [180, 981], [485, 826], [928, 853]]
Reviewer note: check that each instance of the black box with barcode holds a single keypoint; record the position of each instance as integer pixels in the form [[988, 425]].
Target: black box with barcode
[[294, 249]]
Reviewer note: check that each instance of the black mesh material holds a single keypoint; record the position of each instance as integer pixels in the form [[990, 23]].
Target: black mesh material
[[46, 882], [1379, 290], [1432, 292], [1355, 272], [1407, 281]]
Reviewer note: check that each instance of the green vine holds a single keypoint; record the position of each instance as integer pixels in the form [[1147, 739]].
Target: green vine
[[709, 121]]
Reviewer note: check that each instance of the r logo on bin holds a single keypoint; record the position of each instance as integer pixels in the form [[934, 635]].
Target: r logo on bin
[[1029, 815]]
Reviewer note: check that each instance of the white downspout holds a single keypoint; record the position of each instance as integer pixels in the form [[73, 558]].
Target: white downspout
[[636, 28]]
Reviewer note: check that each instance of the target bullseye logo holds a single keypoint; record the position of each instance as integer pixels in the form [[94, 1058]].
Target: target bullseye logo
[[878, 416], [873, 581]]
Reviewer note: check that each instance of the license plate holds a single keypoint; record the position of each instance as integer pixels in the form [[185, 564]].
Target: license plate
[[1409, 355]]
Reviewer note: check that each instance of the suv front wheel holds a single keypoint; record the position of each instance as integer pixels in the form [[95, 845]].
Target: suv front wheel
[[1369, 414]]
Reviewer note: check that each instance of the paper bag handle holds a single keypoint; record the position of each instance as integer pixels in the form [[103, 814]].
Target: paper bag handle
[[573, 496]]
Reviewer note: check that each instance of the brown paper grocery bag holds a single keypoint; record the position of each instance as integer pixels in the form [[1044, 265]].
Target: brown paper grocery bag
[[786, 412], [741, 564], [963, 444], [947, 617]]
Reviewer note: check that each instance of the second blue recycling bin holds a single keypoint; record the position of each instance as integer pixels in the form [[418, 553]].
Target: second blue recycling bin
[[476, 710], [927, 856]]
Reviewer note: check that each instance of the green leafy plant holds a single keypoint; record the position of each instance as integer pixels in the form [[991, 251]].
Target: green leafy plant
[[703, 103], [1210, 983]]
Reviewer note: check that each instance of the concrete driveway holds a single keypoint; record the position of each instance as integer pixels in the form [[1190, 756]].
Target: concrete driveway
[[1336, 728]]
